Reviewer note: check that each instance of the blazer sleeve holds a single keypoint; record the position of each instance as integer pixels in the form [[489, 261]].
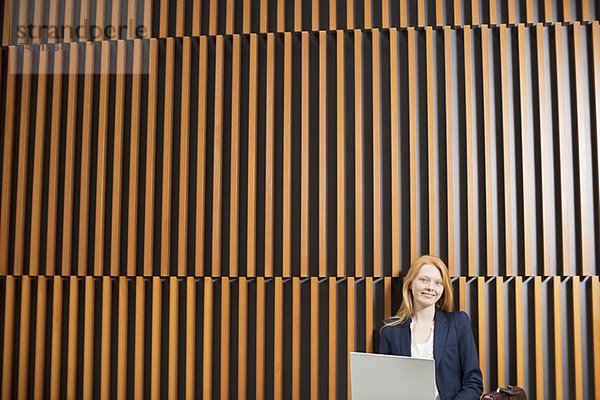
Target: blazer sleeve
[[385, 345], [472, 380]]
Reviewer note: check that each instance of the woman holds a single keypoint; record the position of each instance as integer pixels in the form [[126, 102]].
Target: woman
[[420, 329]]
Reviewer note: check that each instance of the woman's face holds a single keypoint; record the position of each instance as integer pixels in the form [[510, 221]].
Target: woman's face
[[427, 288]]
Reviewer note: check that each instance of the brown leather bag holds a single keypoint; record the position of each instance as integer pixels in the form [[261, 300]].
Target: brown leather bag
[[508, 393]]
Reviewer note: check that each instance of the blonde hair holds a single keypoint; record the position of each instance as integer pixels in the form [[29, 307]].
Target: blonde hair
[[446, 301]]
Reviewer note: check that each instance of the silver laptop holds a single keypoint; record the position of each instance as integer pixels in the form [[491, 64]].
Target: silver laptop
[[384, 377]]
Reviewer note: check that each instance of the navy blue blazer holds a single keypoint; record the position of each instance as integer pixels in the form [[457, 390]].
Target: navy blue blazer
[[457, 372]]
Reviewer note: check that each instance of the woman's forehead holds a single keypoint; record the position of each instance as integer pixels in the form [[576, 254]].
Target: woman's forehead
[[429, 270]]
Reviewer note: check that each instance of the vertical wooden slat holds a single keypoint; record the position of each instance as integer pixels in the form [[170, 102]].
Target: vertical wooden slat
[[351, 326], [270, 156], [56, 350], [167, 150], [122, 329], [280, 15], [101, 19], [86, 156], [140, 322], [595, 108], [264, 16], [577, 349], [581, 157], [558, 343], [115, 33], [358, 153], [132, 21], [208, 339], [225, 335], [173, 336], [315, 15], [566, 11], [218, 158], [481, 328], [563, 139], [297, 15], [105, 341], [201, 162], [278, 341], [525, 149], [243, 339], [333, 338], [24, 338], [520, 366], [260, 337], [39, 372], [500, 350], [190, 338], [395, 143], [184, 158], [117, 184], [377, 157], [506, 152], [252, 149], [88, 339], [151, 158], [246, 15], [341, 156], [69, 174], [72, 345], [332, 15], [134, 158], [156, 338], [449, 146], [287, 157], [9, 338], [462, 293], [470, 156], [493, 17], [431, 141], [439, 14], [350, 14], [305, 127], [412, 143], [230, 17], [529, 12], [102, 155], [163, 27], [7, 23], [85, 14], [180, 19], [595, 322], [387, 282], [369, 313], [539, 339], [475, 21], [547, 11], [196, 16], [38, 158], [314, 338], [511, 13], [7, 166], [235, 158], [296, 332], [420, 13], [457, 16], [22, 163], [545, 140], [488, 144], [322, 153]]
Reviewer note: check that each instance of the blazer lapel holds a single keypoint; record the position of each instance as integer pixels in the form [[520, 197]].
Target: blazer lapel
[[404, 338], [440, 333]]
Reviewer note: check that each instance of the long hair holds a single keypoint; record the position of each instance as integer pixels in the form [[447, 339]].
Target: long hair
[[445, 302]]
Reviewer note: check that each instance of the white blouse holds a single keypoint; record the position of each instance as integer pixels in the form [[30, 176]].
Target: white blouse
[[423, 350]]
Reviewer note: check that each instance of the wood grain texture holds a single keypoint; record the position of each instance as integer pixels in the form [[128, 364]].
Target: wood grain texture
[[56, 350], [558, 342], [201, 156], [234, 183], [105, 338], [252, 156], [403, 13], [180, 19], [196, 17], [88, 338], [377, 156], [351, 328], [281, 15], [475, 16], [469, 134], [296, 332], [431, 142], [7, 24], [163, 27], [462, 293], [369, 313], [481, 328], [278, 343], [341, 155], [304, 173], [190, 337], [493, 12], [457, 16], [270, 184], [420, 13], [40, 338], [264, 16], [139, 337], [449, 147], [9, 339], [155, 338], [333, 337], [511, 13], [520, 368], [577, 337], [501, 329], [566, 11], [439, 13], [322, 154], [247, 17], [488, 143], [539, 339], [260, 337], [243, 338], [595, 322], [395, 150], [84, 244], [134, 159], [358, 155], [315, 15], [529, 12], [412, 144], [22, 163], [595, 107], [167, 159], [297, 15], [72, 345], [184, 158], [208, 338], [173, 334], [25, 335], [230, 17], [547, 11], [218, 157], [314, 338], [151, 159], [132, 20], [225, 335], [287, 157]]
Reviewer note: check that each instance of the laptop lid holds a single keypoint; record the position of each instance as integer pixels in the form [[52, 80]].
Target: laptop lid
[[386, 377]]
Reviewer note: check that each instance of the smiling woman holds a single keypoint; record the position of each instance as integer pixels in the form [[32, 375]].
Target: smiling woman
[[426, 327]]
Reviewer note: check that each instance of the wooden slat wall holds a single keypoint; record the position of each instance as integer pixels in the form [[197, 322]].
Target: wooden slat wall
[[83, 154]]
